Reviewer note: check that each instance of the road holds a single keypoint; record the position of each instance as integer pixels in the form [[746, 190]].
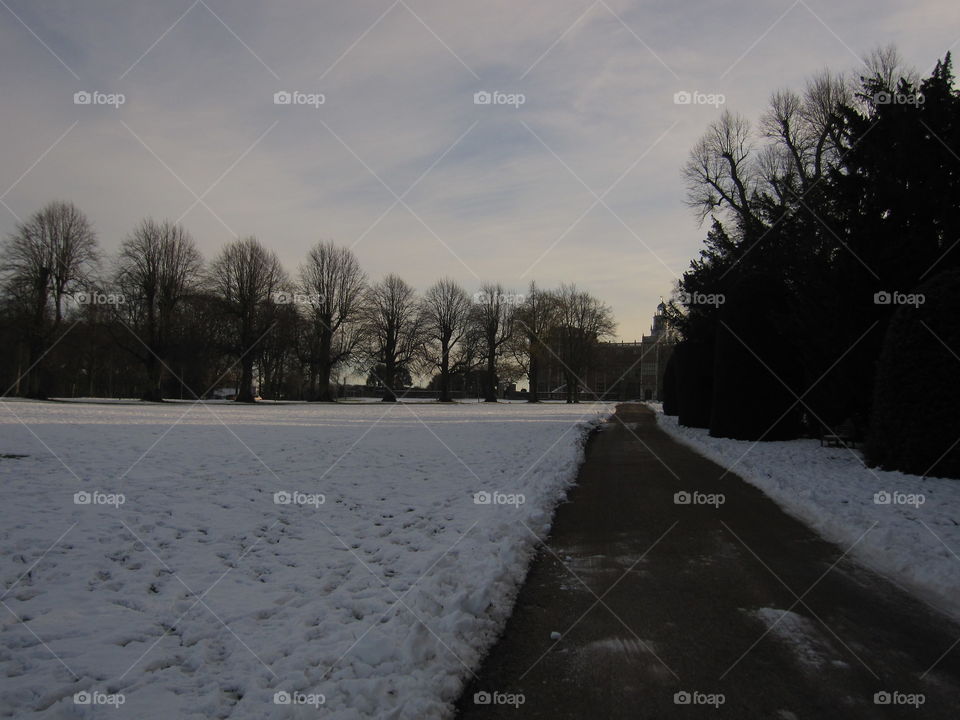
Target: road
[[652, 598]]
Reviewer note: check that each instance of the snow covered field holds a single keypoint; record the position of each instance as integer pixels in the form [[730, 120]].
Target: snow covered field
[[905, 526], [278, 561]]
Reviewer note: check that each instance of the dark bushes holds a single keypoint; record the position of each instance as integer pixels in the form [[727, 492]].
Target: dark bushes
[[695, 382], [914, 427], [671, 401], [757, 371]]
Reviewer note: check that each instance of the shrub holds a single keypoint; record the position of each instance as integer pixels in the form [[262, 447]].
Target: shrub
[[671, 401], [757, 374], [913, 427], [694, 383]]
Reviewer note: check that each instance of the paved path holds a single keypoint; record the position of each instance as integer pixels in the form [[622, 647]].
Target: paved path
[[654, 598]]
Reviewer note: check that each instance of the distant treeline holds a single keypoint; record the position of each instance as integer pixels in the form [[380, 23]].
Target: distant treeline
[[827, 297], [158, 321]]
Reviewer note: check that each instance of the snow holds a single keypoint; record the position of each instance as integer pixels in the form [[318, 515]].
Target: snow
[[180, 586], [905, 527], [800, 634]]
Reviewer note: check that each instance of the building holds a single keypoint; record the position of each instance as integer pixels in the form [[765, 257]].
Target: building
[[619, 370]]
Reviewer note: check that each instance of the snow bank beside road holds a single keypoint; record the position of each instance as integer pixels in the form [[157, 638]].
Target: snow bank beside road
[[916, 539], [266, 554]]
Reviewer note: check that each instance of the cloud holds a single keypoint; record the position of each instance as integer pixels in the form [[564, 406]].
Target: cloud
[[501, 192]]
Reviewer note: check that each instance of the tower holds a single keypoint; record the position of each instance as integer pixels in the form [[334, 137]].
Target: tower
[[659, 319]]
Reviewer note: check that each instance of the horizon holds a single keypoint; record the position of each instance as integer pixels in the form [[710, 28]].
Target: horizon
[[425, 360]]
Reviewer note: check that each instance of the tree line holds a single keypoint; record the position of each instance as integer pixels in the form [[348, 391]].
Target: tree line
[[825, 298], [161, 322]]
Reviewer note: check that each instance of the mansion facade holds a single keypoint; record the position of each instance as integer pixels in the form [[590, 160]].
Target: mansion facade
[[619, 370]]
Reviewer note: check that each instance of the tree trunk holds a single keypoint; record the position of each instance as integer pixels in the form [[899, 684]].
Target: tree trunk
[[35, 375], [389, 375], [245, 391], [490, 384], [323, 393], [534, 376], [35, 380], [445, 375], [153, 391]]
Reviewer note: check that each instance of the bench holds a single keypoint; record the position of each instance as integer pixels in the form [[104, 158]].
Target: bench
[[835, 440]]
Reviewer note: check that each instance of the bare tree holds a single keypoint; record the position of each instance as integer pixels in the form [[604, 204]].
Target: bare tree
[[44, 260], [492, 318], [158, 266], [247, 277], [582, 322], [805, 132], [886, 66], [393, 331], [534, 320], [777, 169], [720, 172], [825, 94], [449, 346], [785, 124], [333, 287]]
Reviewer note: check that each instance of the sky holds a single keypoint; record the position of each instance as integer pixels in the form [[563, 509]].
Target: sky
[[570, 174]]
